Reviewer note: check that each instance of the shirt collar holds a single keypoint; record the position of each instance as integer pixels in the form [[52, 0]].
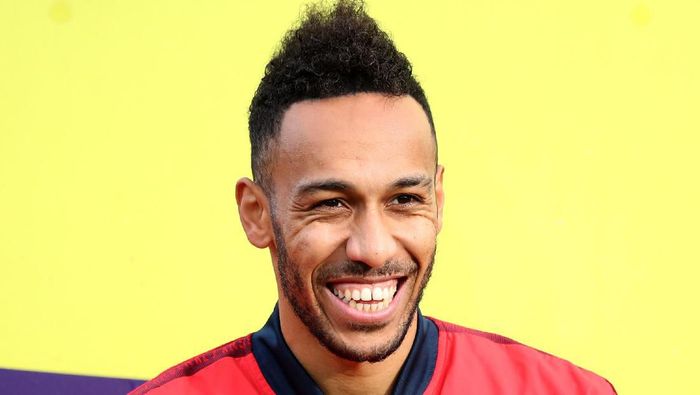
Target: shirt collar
[[286, 375]]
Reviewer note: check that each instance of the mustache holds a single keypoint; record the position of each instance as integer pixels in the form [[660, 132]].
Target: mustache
[[358, 269]]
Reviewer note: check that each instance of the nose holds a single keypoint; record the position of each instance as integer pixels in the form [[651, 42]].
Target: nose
[[371, 241]]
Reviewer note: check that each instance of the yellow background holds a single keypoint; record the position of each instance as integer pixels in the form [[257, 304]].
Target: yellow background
[[569, 131]]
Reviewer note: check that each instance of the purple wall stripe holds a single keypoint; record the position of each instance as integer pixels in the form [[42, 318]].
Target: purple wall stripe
[[21, 382]]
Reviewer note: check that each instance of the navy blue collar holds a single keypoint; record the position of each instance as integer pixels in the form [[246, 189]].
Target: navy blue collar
[[285, 374]]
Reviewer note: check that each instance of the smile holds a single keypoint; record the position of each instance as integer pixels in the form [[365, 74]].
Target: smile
[[366, 297]]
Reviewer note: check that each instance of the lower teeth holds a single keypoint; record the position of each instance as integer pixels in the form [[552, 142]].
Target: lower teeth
[[367, 307]]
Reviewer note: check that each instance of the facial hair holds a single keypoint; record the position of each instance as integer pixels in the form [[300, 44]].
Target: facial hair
[[309, 312]]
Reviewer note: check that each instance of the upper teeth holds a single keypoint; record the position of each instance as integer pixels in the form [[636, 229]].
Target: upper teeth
[[351, 294]]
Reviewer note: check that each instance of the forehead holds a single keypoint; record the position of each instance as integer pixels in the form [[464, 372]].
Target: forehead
[[363, 138]]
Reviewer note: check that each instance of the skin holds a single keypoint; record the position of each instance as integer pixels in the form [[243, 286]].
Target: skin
[[357, 196]]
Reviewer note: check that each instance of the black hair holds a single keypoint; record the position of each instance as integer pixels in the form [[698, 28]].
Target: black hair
[[333, 52]]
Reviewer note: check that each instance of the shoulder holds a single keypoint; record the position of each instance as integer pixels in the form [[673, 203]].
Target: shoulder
[[472, 361], [230, 368]]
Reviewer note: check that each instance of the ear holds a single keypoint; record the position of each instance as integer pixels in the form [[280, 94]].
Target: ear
[[253, 209], [439, 195]]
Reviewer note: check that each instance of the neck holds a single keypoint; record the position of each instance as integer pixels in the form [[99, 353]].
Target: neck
[[335, 375]]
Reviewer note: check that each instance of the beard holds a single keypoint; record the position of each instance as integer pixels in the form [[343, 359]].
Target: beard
[[310, 312]]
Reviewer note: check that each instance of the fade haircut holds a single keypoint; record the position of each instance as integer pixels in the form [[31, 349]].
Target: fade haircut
[[333, 52]]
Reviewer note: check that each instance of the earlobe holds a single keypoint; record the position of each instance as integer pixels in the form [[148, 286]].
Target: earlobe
[[439, 195], [253, 210]]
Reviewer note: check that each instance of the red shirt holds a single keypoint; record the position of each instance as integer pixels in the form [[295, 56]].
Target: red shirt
[[444, 359]]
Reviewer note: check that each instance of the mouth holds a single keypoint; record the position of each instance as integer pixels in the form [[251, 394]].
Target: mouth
[[366, 300]]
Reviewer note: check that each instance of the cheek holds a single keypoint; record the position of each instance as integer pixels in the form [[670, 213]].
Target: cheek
[[313, 245], [418, 238]]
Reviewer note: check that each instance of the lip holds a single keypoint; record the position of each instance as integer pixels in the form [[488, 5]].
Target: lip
[[342, 312]]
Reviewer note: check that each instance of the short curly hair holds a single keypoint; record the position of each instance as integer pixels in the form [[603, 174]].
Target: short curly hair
[[334, 52]]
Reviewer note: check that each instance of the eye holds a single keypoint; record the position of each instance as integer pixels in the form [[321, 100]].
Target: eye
[[405, 199], [329, 203]]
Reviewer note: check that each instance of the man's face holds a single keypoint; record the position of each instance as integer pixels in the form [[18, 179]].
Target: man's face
[[356, 209]]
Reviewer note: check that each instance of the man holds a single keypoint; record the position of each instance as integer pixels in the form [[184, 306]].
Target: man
[[348, 199]]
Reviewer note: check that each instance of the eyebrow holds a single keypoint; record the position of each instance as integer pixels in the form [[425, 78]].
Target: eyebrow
[[322, 185], [335, 185], [412, 181]]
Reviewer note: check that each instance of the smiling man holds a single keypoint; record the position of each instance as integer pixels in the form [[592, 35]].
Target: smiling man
[[348, 198], [352, 224]]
